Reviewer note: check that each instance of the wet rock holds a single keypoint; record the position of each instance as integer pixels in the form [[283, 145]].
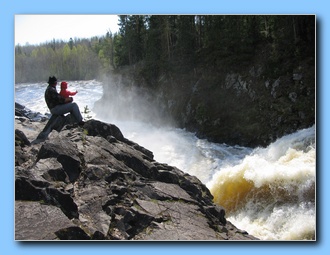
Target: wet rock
[[22, 111]]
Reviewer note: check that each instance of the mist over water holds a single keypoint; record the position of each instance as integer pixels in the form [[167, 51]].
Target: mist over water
[[269, 192], [128, 103]]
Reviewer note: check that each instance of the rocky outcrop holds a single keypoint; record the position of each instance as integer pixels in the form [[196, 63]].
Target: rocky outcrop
[[248, 106], [91, 183]]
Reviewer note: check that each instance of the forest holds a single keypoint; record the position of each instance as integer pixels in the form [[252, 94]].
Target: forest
[[235, 79], [171, 44]]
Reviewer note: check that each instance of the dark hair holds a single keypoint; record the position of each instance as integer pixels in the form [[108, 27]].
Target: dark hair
[[52, 80]]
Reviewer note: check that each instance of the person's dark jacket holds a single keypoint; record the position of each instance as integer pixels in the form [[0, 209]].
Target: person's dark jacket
[[52, 97]]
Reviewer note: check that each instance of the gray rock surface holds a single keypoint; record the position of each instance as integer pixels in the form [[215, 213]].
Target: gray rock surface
[[91, 183]]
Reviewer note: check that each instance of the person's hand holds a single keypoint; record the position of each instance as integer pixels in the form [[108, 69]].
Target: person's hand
[[68, 99]]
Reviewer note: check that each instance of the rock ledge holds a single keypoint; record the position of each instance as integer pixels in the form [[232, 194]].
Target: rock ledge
[[91, 183]]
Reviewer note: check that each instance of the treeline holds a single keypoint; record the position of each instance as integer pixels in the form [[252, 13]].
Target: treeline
[[172, 43], [78, 59]]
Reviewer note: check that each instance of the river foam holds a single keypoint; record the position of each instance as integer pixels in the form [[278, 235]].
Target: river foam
[[272, 191], [269, 192]]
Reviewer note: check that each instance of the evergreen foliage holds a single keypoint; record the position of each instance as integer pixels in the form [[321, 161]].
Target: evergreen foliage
[[79, 59], [238, 79], [172, 43]]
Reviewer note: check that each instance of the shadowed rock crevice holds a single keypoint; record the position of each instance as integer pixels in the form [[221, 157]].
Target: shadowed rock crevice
[[91, 183]]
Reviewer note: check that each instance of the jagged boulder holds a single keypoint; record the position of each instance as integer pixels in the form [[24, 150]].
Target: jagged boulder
[[39, 221], [22, 111], [92, 183]]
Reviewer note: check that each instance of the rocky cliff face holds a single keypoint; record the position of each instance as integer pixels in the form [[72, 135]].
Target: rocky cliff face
[[252, 105], [91, 183], [243, 107]]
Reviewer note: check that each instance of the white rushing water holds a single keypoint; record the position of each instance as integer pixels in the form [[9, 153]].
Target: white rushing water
[[31, 95], [269, 192]]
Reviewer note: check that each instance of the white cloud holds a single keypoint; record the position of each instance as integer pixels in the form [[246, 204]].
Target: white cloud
[[35, 29]]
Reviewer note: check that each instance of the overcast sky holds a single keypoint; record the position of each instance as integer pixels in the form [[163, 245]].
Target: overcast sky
[[35, 29]]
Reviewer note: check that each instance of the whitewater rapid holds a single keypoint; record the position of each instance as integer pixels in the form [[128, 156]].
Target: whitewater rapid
[[31, 95], [269, 192]]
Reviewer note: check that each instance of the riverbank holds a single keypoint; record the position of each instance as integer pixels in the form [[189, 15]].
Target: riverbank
[[92, 183]]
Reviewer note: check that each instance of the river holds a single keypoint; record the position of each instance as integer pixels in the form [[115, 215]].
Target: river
[[269, 192]]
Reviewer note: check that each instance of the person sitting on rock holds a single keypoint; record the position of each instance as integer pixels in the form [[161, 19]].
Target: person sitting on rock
[[59, 105], [64, 90]]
